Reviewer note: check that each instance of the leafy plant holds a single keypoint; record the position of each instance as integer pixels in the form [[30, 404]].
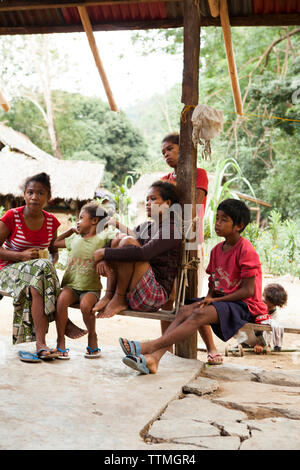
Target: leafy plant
[[223, 191]]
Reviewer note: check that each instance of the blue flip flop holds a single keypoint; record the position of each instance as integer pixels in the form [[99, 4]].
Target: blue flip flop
[[90, 353], [63, 351], [134, 346], [137, 363], [28, 357]]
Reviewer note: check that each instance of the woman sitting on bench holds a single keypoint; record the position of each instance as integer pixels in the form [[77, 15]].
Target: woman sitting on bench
[[26, 233], [141, 265]]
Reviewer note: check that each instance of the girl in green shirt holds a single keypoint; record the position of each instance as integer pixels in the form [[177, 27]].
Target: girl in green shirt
[[80, 282]]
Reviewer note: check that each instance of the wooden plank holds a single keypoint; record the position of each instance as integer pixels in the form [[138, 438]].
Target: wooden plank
[[92, 42], [287, 329], [160, 315], [8, 5], [105, 26], [187, 161]]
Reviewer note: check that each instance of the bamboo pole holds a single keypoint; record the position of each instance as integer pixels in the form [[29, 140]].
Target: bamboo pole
[[91, 38], [230, 57], [4, 102], [214, 6]]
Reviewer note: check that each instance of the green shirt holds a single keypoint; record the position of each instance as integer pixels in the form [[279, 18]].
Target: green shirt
[[81, 271]]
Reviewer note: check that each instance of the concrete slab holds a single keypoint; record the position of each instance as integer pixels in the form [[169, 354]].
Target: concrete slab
[[81, 403], [273, 434], [260, 400]]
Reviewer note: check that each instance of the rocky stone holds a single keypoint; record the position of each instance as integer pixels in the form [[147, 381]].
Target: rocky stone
[[273, 434], [260, 400], [200, 409], [176, 429], [201, 386], [213, 443]]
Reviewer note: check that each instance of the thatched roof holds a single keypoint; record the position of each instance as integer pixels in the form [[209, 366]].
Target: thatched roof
[[20, 158], [139, 190]]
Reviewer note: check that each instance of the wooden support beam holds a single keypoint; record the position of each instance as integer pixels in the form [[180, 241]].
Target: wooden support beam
[[187, 161], [230, 57], [12, 5], [214, 6], [3, 102], [91, 38]]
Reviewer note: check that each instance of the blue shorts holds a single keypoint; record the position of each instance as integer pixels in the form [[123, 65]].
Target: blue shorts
[[232, 316]]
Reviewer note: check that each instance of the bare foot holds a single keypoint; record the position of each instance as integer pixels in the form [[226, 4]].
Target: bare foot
[[101, 304], [73, 331], [43, 350], [151, 363], [258, 349], [116, 305]]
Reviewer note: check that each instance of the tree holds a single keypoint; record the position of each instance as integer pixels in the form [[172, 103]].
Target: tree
[[86, 129]]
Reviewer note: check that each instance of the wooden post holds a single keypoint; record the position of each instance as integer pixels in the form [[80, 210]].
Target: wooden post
[[230, 57], [187, 161], [91, 38]]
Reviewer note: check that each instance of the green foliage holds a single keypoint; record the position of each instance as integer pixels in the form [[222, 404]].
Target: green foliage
[[2, 210], [266, 148], [86, 130]]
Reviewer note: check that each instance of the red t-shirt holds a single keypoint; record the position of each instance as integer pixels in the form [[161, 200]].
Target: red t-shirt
[[227, 269], [201, 183], [21, 237]]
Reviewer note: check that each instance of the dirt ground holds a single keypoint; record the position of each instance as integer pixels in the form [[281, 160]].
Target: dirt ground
[[109, 330]]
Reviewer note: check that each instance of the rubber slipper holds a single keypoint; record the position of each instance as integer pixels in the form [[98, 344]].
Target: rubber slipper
[[134, 346], [137, 363], [47, 357], [62, 357], [28, 357], [215, 359], [89, 354]]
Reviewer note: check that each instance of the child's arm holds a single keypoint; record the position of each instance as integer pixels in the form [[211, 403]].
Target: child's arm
[[117, 224], [246, 290], [60, 241]]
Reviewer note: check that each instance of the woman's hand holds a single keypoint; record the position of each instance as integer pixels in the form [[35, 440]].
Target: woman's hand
[[103, 269], [99, 255], [31, 253], [206, 301]]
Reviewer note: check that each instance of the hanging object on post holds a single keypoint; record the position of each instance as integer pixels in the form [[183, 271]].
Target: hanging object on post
[[207, 124]]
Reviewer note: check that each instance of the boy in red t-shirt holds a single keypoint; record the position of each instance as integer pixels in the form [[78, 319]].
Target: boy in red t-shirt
[[234, 297]]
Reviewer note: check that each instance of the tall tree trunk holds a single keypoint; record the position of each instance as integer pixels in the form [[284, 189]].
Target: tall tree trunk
[[43, 67]]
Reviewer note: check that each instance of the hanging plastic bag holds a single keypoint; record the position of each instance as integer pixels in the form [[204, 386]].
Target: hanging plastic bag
[[207, 124]]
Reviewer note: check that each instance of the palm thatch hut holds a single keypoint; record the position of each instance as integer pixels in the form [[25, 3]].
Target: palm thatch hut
[[73, 181]]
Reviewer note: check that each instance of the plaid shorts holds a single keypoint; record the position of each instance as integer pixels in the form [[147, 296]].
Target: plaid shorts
[[148, 294]]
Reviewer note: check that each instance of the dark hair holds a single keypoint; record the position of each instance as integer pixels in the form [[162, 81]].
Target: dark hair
[[166, 191], [236, 210], [95, 210], [173, 138], [275, 294], [41, 178]]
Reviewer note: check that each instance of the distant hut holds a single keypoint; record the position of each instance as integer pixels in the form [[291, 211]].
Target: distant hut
[[74, 182]]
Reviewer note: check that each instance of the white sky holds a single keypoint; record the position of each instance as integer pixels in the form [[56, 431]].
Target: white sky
[[132, 77]]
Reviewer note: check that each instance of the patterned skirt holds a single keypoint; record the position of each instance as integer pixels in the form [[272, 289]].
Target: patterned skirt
[[16, 280]]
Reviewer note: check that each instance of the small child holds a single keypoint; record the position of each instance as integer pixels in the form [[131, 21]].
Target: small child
[[234, 297], [274, 295], [81, 281]]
